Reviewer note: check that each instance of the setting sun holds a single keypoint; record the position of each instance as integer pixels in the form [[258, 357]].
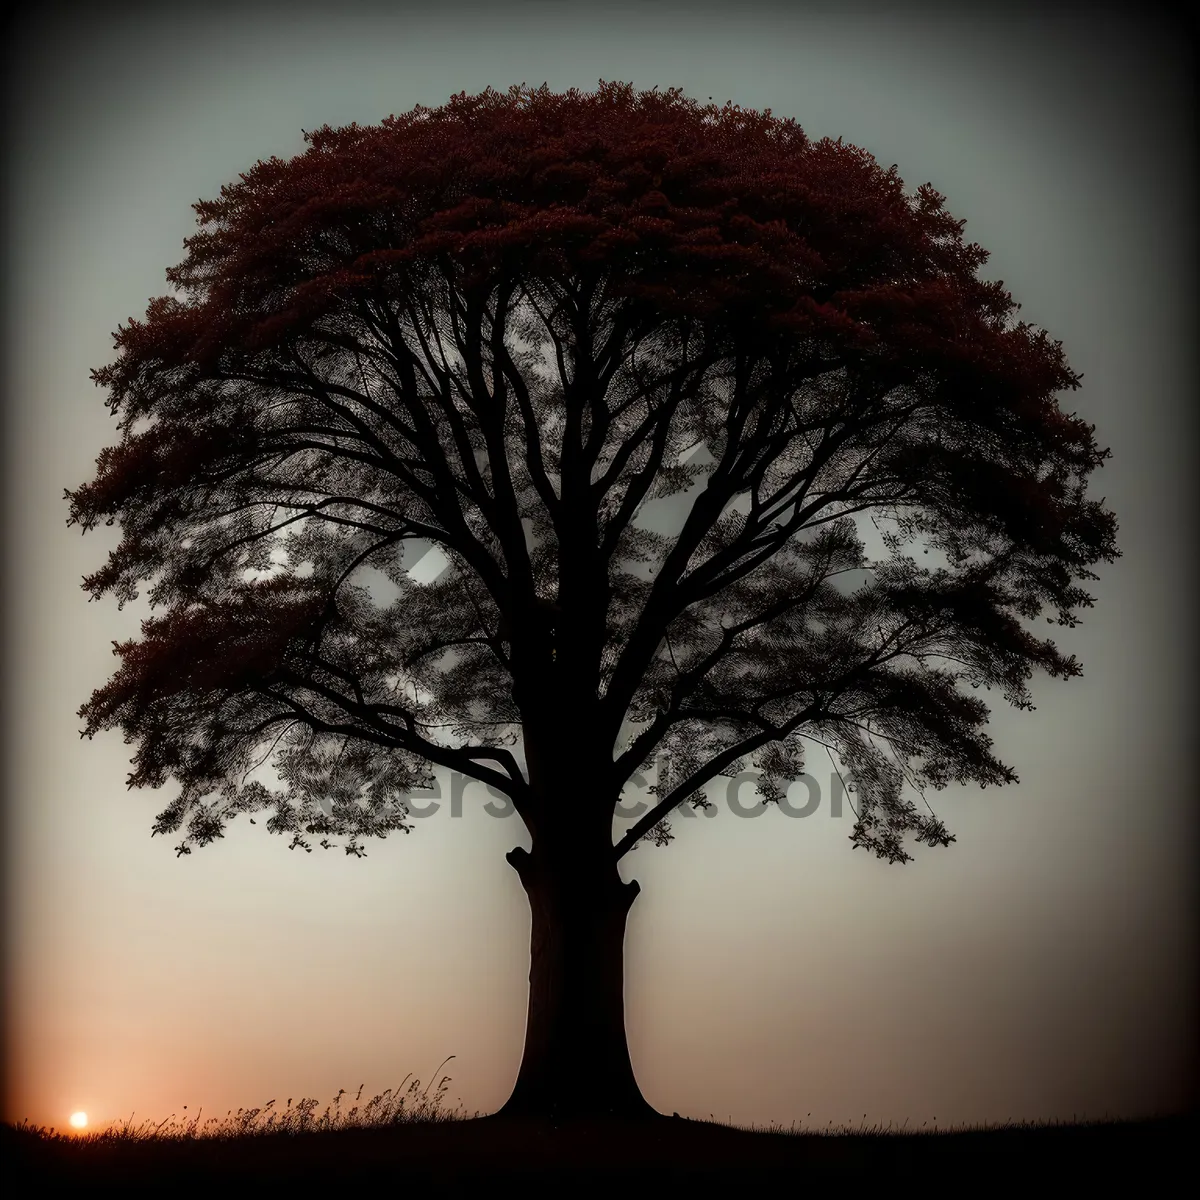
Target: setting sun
[[79, 1120]]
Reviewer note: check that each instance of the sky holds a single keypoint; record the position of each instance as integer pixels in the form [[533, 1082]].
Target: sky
[[1042, 967]]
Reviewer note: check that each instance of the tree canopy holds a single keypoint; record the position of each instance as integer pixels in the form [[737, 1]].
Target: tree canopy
[[500, 328]]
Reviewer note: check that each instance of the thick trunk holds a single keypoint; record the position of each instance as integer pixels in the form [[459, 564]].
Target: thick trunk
[[576, 1060]]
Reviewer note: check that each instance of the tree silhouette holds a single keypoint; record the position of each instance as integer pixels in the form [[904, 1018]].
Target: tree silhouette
[[499, 328]]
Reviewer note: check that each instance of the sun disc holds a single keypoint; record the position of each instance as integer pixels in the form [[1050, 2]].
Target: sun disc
[[79, 1120]]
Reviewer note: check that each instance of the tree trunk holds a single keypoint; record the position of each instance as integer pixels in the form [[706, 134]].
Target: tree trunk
[[576, 1060]]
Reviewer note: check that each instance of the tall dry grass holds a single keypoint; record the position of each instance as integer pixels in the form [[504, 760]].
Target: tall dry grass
[[404, 1105]]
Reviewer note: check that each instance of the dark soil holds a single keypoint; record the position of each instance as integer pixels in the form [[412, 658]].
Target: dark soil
[[456, 1157]]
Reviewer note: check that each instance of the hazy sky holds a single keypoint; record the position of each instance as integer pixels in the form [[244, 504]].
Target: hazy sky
[[1040, 967]]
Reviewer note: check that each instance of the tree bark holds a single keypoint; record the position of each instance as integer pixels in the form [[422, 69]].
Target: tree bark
[[576, 1060]]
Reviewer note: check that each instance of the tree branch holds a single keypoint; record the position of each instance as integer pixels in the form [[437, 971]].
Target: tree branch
[[701, 776]]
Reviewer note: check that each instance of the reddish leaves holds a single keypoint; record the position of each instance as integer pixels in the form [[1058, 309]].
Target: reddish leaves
[[226, 647], [713, 212], [152, 465], [841, 307]]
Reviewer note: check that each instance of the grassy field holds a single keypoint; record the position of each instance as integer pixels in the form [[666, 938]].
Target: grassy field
[[406, 1137]]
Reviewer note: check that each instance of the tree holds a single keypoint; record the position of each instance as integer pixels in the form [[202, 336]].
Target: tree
[[499, 327]]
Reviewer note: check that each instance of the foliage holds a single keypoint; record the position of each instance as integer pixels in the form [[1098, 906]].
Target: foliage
[[501, 328]]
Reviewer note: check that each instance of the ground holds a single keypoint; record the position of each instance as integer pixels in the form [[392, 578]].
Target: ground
[[456, 1157]]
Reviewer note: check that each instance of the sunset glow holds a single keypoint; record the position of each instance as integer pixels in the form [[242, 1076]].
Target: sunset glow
[[79, 1120]]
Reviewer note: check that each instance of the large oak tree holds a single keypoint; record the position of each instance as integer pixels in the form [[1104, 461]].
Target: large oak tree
[[500, 328]]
